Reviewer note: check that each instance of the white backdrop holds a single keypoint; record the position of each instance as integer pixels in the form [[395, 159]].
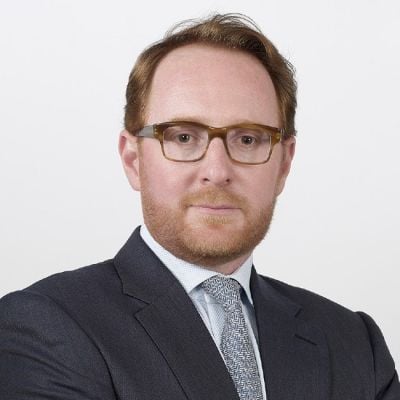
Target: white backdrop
[[64, 199]]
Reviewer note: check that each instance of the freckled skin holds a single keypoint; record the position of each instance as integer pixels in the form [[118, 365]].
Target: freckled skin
[[217, 87]]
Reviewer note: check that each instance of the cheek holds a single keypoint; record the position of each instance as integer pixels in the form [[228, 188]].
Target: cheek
[[163, 181], [263, 188]]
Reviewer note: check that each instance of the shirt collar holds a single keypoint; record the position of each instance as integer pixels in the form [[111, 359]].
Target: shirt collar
[[191, 275]]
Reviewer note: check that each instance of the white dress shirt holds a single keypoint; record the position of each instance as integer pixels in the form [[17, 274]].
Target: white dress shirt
[[192, 276]]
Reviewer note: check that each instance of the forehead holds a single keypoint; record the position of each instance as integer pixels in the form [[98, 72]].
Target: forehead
[[213, 84]]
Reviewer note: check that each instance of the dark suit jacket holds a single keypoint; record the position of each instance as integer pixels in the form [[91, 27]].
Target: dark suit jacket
[[126, 329]]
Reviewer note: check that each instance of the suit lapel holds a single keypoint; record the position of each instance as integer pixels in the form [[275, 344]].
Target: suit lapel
[[173, 323], [294, 354]]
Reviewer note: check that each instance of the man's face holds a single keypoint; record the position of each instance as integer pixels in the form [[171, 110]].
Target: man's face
[[213, 211]]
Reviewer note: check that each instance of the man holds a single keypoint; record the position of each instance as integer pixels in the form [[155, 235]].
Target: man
[[180, 312]]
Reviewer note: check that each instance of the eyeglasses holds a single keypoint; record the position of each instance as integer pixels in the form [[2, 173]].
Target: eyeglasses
[[185, 141]]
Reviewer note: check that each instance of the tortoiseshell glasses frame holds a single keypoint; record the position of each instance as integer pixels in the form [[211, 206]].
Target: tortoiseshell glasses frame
[[185, 141]]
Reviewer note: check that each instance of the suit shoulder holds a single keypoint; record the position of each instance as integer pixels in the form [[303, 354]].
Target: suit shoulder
[[76, 283], [79, 293]]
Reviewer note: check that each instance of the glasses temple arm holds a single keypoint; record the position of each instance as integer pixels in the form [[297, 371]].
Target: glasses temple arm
[[147, 131]]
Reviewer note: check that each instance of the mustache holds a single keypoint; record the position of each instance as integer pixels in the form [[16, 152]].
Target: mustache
[[213, 196]]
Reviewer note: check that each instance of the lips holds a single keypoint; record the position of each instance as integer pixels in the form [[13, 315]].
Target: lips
[[220, 210]]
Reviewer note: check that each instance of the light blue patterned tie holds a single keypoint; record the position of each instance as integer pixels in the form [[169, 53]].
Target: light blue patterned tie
[[235, 345]]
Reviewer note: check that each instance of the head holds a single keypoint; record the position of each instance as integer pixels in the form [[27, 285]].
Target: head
[[220, 72]]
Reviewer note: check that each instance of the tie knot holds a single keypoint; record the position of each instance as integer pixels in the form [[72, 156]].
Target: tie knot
[[225, 290]]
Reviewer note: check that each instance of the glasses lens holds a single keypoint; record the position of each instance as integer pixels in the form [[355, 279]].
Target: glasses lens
[[249, 144], [184, 142]]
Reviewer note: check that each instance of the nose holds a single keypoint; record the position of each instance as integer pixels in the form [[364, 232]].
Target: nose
[[216, 166]]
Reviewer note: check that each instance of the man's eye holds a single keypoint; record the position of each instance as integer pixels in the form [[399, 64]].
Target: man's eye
[[247, 140], [184, 138]]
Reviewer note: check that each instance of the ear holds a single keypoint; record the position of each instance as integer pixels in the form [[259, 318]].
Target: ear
[[288, 149], [129, 152]]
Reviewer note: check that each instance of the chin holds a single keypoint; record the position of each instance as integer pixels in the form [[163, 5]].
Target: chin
[[216, 241], [204, 238]]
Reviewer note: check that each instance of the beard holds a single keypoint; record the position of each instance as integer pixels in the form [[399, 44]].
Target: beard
[[207, 240]]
